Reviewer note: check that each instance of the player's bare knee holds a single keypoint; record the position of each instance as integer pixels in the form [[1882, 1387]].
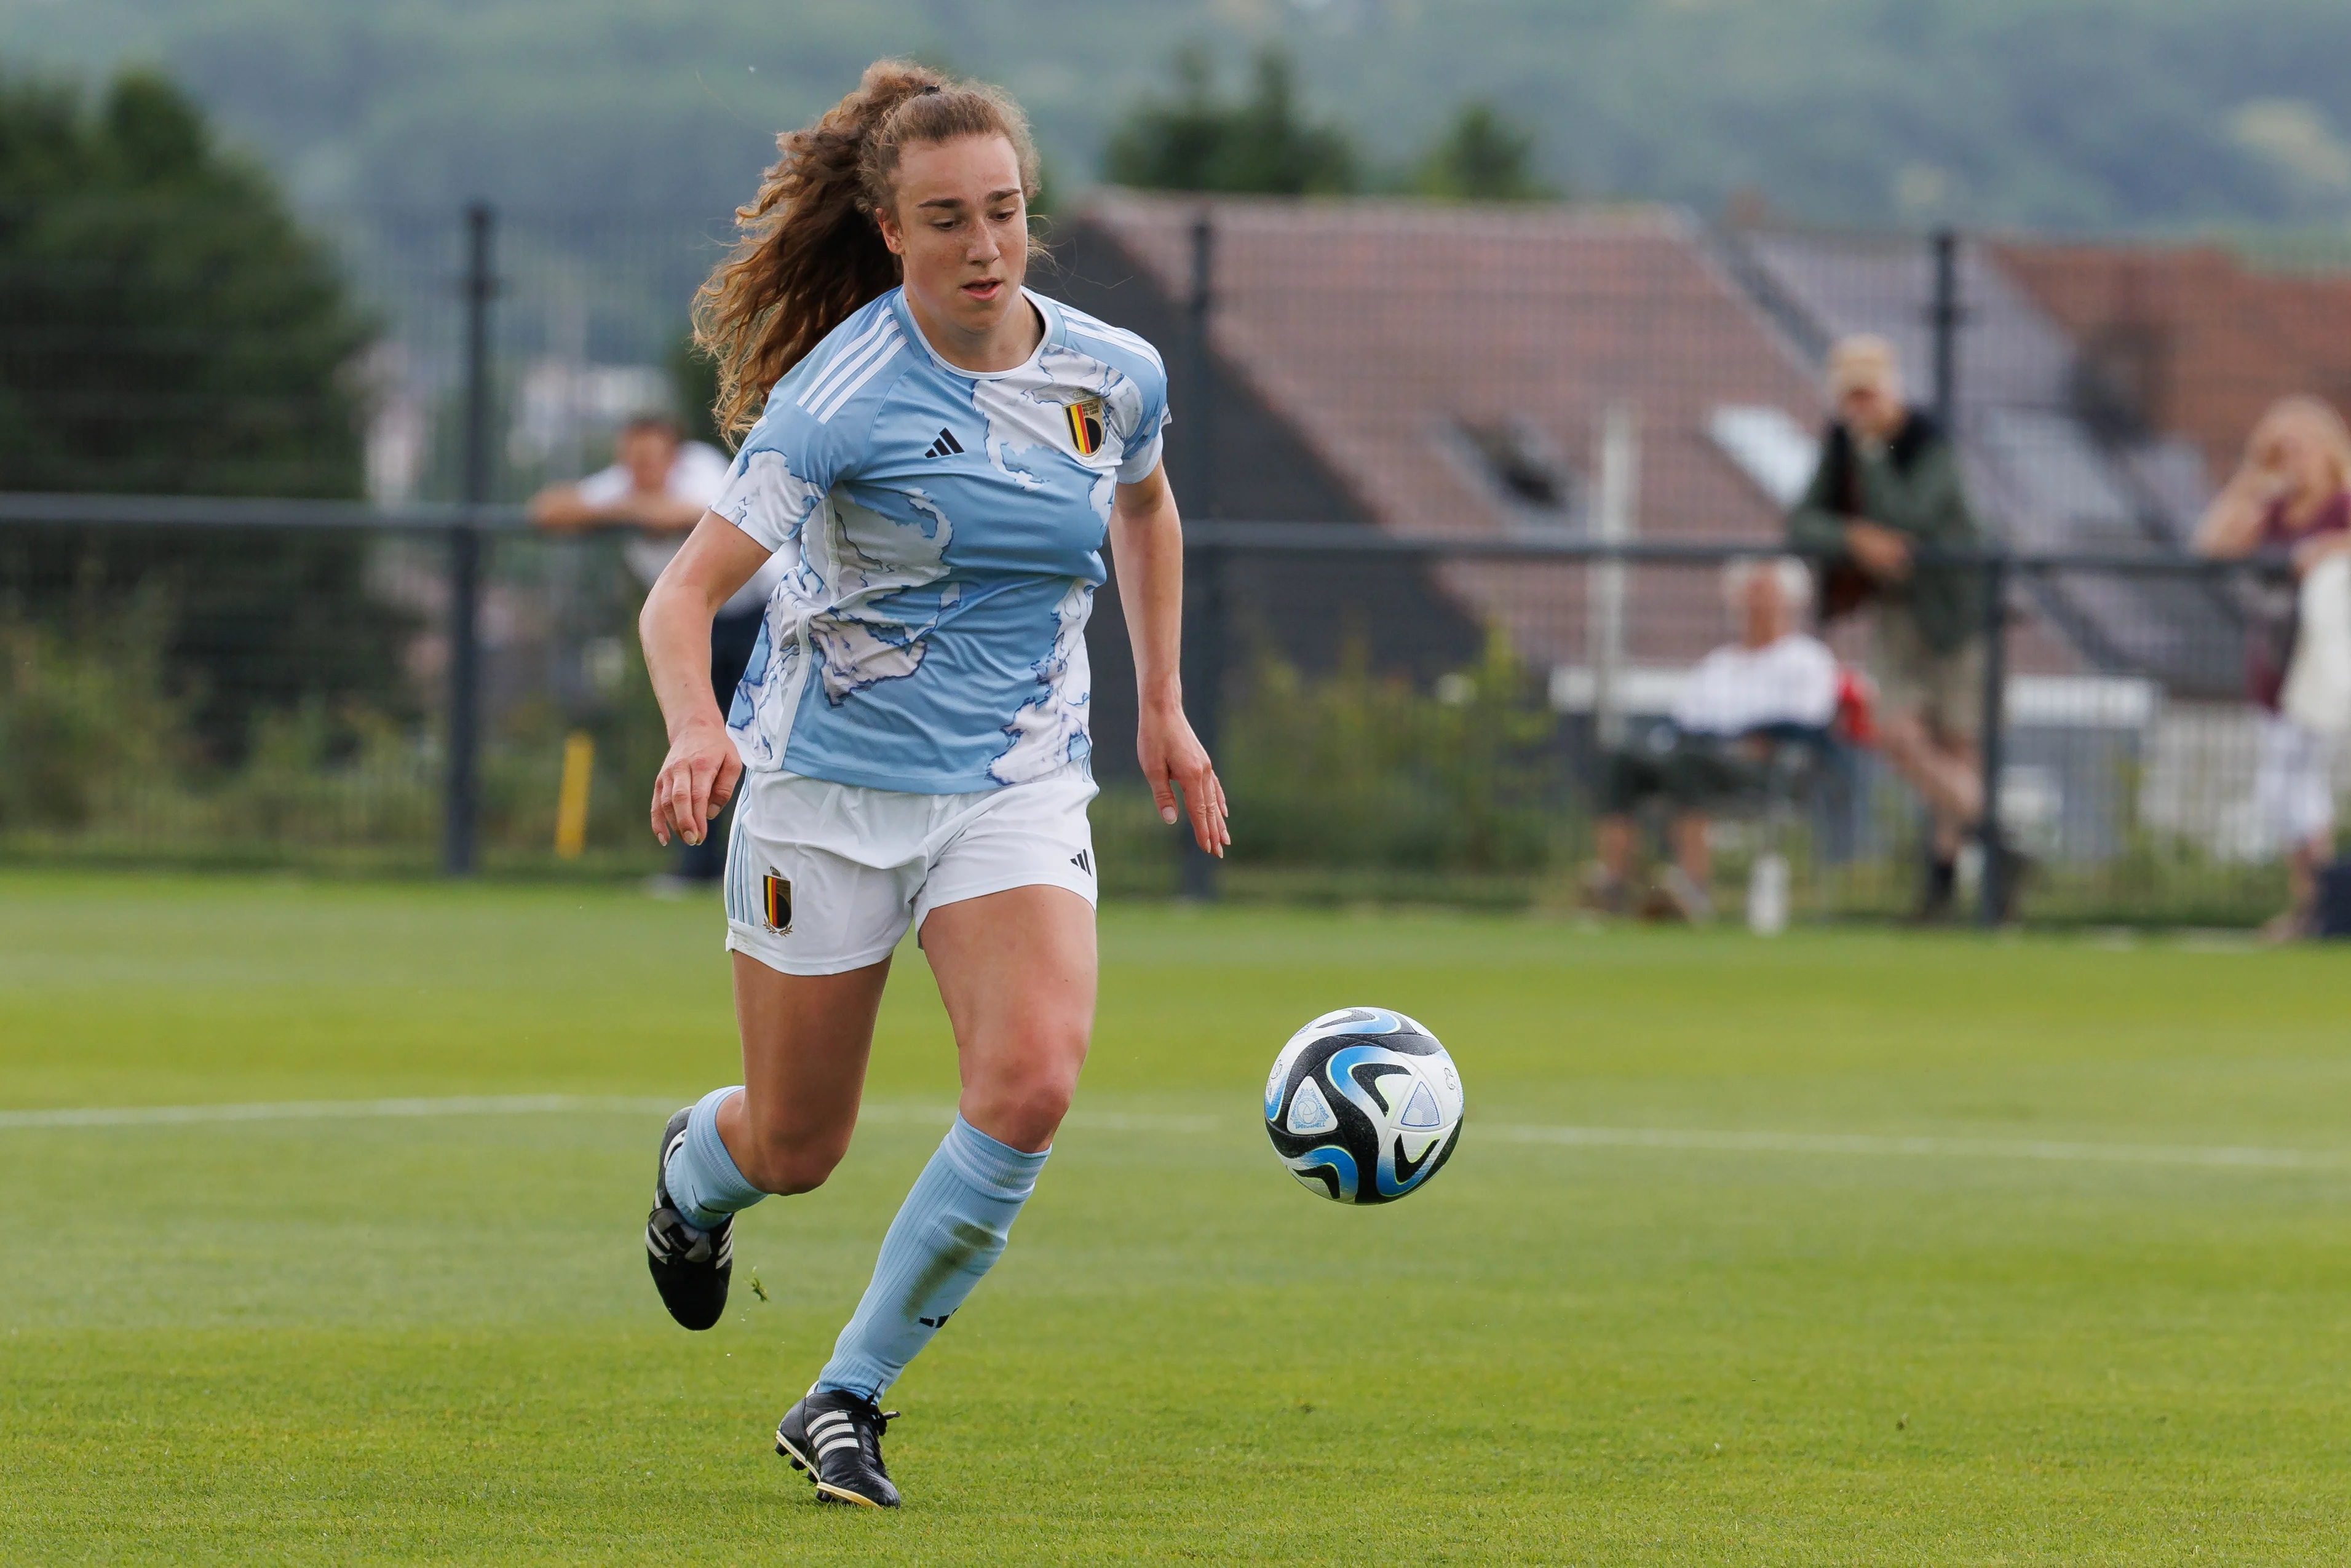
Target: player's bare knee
[[1034, 1100]]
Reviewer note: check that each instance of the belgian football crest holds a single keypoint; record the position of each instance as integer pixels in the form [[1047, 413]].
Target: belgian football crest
[[1086, 425], [778, 897]]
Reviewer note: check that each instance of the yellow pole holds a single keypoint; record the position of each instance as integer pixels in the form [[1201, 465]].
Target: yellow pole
[[572, 801]]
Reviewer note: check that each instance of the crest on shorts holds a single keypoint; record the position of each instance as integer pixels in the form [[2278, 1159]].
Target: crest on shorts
[[776, 903], [1085, 424]]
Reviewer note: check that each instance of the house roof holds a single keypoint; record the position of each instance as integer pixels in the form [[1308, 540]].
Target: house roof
[[1387, 332], [2207, 342], [2043, 468], [1382, 330]]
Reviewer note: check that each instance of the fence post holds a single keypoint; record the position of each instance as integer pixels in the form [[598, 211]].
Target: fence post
[[1943, 318], [1995, 902], [1204, 576], [1946, 313], [1616, 521], [461, 801]]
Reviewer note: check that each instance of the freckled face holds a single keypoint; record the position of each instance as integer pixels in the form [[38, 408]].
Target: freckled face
[[960, 226]]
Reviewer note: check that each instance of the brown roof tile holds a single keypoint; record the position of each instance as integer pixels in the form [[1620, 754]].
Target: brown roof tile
[[2221, 339], [1377, 328]]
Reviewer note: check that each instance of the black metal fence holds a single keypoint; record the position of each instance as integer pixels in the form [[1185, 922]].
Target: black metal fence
[[2128, 799], [1350, 780], [1454, 537]]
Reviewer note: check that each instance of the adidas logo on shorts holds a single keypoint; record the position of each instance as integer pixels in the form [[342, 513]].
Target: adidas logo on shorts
[[1084, 860]]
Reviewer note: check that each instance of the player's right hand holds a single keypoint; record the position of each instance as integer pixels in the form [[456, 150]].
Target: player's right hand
[[696, 782]]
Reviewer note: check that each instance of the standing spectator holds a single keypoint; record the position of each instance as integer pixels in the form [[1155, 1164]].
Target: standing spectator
[[659, 485], [2291, 499], [1886, 484], [1774, 684]]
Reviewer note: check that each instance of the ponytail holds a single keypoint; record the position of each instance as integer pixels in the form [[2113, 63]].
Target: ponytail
[[810, 254]]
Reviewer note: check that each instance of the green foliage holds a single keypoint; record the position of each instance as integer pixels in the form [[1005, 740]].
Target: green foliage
[[166, 328], [83, 721], [95, 750], [695, 376], [1484, 156], [1353, 769], [2060, 112], [102, 757], [1200, 141]]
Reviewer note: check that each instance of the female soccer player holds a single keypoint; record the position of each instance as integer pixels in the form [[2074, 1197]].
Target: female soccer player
[[939, 462]]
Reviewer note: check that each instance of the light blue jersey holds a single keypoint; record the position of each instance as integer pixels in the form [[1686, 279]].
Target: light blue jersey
[[942, 531]]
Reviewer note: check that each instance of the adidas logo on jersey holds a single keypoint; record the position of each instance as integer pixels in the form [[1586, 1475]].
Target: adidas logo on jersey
[[946, 445]]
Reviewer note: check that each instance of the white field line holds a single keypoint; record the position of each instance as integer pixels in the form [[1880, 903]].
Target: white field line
[[325, 1111], [1849, 1143], [1933, 1147]]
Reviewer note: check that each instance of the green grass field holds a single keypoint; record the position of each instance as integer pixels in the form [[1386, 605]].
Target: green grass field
[[1846, 1247]]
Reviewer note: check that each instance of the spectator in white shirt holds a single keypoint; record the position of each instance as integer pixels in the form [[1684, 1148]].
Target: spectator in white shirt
[[660, 483], [1775, 683]]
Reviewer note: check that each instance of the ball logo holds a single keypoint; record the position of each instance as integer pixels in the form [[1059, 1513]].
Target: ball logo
[[1310, 1112]]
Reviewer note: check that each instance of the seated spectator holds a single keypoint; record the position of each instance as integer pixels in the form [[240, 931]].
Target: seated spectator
[[1775, 681]]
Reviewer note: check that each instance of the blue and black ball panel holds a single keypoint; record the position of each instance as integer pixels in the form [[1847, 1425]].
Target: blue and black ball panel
[[1328, 1107]]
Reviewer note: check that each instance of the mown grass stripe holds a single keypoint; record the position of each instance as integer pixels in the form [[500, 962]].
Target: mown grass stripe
[[1700, 1140]]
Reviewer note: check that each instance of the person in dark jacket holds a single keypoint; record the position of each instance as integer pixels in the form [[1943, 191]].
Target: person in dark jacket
[[1887, 483]]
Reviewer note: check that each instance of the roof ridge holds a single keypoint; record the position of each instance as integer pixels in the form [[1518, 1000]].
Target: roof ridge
[[1417, 212]]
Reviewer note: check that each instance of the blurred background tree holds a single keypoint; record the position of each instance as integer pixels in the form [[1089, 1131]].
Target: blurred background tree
[[1201, 141], [693, 378], [2079, 114], [1483, 156], [166, 328]]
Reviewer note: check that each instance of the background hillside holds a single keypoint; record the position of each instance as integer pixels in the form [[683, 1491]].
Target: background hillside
[[2056, 113]]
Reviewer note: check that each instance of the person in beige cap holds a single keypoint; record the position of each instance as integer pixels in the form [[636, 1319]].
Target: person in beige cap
[[1889, 483]]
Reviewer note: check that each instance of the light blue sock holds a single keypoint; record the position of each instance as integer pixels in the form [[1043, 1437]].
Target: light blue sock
[[950, 1230], [703, 1181]]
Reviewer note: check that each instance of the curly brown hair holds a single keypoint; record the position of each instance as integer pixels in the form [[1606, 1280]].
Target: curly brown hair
[[809, 253]]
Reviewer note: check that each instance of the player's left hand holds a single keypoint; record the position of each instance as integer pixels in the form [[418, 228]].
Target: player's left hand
[[1173, 757]]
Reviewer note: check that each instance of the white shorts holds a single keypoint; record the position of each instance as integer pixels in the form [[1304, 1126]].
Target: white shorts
[[822, 878], [2293, 784]]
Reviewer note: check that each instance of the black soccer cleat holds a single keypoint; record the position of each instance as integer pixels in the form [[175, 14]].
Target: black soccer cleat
[[836, 1438], [690, 1266]]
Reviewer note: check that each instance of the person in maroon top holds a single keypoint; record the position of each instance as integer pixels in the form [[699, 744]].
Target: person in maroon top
[[2290, 498]]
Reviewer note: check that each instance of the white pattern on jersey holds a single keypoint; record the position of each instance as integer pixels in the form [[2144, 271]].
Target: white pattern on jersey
[[942, 533]]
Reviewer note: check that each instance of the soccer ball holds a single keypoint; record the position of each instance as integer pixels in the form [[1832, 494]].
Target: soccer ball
[[1364, 1105]]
